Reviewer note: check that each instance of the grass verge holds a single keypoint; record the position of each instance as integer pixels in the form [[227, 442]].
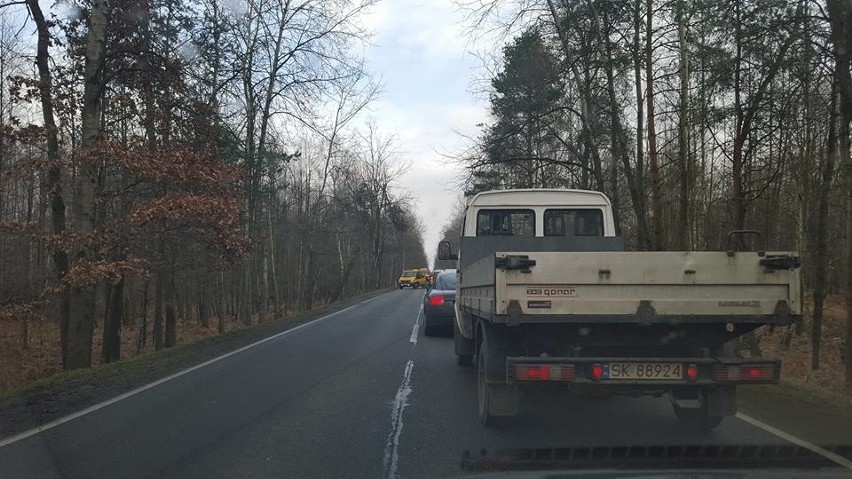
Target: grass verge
[[812, 414]]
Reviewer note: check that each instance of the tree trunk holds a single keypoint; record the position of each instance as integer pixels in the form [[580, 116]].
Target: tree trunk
[[244, 296], [640, 106], [840, 17], [82, 300], [157, 332], [737, 200], [657, 239], [203, 307], [111, 348], [171, 325], [684, 157], [143, 324], [223, 307], [171, 312], [53, 184], [821, 255]]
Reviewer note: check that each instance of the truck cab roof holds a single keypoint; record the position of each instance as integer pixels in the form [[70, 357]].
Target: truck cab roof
[[540, 197]]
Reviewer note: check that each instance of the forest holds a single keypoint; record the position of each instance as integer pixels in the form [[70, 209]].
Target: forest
[[695, 117], [169, 166]]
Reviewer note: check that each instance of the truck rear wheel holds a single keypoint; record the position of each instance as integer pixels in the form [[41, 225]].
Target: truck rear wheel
[[496, 402], [697, 419], [462, 345]]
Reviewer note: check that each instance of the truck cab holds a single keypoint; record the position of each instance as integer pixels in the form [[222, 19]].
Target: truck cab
[[548, 297], [539, 213]]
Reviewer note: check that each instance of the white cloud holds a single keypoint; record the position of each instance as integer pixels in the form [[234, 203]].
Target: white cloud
[[421, 55]]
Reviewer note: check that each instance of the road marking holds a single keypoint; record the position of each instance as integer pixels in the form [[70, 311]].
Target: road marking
[[413, 338], [391, 461], [797, 441], [416, 328], [121, 397]]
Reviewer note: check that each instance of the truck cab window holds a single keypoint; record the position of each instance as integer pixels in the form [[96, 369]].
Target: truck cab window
[[505, 223], [573, 222]]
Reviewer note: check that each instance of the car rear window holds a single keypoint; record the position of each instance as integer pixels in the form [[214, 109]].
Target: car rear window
[[446, 281]]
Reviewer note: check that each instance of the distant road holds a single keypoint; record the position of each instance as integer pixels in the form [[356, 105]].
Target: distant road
[[360, 393]]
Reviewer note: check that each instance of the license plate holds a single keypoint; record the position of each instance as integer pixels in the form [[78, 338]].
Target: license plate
[[643, 371]]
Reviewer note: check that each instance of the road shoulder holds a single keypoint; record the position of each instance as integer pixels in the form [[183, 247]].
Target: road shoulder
[[818, 417], [70, 391]]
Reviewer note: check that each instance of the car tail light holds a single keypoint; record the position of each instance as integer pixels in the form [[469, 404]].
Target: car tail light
[[597, 372], [436, 300], [692, 372], [544, 372], [744, 373]]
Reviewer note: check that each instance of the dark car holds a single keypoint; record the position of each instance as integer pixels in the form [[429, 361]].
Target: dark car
[[438, 304]]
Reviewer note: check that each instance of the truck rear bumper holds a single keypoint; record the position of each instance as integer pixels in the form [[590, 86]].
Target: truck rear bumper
[[641, 373]]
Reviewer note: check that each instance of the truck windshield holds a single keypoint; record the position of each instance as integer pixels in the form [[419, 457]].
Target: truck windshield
[[407, 273], [568, 222], [505, 223]]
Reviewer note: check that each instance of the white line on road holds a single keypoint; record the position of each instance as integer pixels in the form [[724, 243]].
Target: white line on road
[[121, 397], [413, 338], [797, 441], [400, 401]]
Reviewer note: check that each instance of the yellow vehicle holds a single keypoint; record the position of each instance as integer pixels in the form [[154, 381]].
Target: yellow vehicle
[[414, 278]]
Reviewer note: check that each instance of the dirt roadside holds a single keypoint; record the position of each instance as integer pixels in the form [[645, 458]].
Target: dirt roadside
[[67, 392], [816, 416]]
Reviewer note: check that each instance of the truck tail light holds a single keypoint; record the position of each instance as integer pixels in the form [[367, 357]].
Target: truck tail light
[[692, 373], [436, 300], [744, 373], [544, 372], [597, 372]]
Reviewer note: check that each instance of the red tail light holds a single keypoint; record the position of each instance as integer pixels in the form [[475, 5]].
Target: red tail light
[[597, 372], [744, 372], [692, 372], [436, 300], [544, 372]]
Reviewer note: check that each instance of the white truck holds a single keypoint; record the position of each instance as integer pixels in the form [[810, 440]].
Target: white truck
[[548, 298]]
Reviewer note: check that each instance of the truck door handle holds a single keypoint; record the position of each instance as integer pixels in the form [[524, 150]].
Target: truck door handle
[[514, 262]]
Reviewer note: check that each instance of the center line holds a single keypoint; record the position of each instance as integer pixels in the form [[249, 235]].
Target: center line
[[413, 338], [399, 403]]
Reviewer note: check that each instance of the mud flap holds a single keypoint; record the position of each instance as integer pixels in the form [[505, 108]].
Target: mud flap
[[722, 401], [462, 345], [503, 399]]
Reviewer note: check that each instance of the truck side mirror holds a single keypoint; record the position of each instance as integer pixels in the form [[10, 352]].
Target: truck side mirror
[[445, 251]]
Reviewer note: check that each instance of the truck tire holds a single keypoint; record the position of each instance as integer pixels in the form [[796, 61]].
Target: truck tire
[[495, 402], [462, 345], [697, 419]]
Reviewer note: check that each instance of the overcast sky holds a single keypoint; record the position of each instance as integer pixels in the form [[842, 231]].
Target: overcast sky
[[421, 55]]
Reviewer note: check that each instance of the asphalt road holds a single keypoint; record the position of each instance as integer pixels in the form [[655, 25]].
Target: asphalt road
[[356, 394]]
